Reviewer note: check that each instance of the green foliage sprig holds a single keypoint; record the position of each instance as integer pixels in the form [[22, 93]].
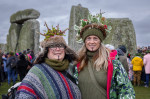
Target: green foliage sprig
[[53, 32]]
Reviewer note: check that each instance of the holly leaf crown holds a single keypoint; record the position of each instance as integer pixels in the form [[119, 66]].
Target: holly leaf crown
[[96, 19]]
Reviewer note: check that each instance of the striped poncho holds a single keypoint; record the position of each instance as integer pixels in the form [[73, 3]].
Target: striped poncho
[[43, 82]]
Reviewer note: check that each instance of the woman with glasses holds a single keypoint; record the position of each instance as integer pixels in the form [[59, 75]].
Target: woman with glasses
[[54, 75]]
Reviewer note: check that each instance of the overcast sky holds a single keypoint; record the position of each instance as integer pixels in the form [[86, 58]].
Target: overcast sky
[[58, 12]]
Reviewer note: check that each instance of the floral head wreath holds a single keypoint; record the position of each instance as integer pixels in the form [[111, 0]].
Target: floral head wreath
[[92, 19], [53, 32]]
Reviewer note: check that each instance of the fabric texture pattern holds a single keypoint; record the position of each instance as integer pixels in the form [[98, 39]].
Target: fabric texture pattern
[[43, 82], [121, 87]]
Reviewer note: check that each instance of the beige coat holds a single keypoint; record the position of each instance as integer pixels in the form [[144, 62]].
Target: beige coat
[[123, 60]]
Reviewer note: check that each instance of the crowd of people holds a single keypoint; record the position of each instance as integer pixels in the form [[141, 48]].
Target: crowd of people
[[137, 66], [14, 64], [95, 71], [140, 67]]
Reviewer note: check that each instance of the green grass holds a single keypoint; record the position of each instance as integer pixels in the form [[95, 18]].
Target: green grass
[[4, 89], [140, 91]]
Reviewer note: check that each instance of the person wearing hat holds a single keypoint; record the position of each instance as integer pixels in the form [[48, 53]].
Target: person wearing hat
[[100, 76], [122, 58], [54, 75]]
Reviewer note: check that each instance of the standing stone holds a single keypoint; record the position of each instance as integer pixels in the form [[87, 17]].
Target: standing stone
[[23, 31], [8, 43], [77, 13], [21, 16], [12, 38], [29, 38], [122, 33]]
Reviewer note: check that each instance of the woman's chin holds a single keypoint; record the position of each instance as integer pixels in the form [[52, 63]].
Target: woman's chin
[[92, 50]]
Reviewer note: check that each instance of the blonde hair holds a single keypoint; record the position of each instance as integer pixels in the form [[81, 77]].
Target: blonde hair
[[100, 59]]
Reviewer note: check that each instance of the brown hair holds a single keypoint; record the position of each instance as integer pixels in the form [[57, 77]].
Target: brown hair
[[70, 55]]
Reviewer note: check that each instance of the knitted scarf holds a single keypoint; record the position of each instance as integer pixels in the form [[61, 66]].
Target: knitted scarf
[[57, 65], [90, 54]]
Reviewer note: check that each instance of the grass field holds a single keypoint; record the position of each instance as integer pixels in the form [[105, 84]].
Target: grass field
[[140, 91]]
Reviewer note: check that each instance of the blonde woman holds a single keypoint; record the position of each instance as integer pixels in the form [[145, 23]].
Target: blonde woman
[[101, 76]]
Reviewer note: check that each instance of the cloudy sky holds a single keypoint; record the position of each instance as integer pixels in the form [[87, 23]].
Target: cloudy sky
[[58, 12]]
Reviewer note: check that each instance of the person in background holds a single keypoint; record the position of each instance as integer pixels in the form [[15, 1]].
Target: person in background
[[21, 67], [54, 75], [32, 54], [122, 58], [1, 62], [29, 57], [137, 63], [112, 51], [130, 67], [110, 47], [17, 58], [4, 58], [147, 67], [101, 76], [11, 71]]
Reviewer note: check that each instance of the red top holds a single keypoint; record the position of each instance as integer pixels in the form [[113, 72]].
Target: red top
[[113, 53]]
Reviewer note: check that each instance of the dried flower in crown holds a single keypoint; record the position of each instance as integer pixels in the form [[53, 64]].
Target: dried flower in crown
[[97, 19], [52, 32]]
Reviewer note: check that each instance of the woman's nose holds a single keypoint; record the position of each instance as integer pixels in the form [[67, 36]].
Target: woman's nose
[[57, 48], [92, 41]]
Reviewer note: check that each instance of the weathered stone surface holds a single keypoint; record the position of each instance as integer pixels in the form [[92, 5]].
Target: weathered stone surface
[[13, 36], [21, 16], [3, 47], [122, 33], [77, 13], [8, 43], [29, 38]]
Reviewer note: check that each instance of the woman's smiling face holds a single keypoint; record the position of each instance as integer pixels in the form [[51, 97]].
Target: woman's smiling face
[[56, 52], [92, 43]]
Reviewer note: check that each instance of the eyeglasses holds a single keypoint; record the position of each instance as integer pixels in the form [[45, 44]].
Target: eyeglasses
[[55, 46]]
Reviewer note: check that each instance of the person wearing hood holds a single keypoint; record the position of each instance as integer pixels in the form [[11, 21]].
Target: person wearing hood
[[137, 63], [122, 58]]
